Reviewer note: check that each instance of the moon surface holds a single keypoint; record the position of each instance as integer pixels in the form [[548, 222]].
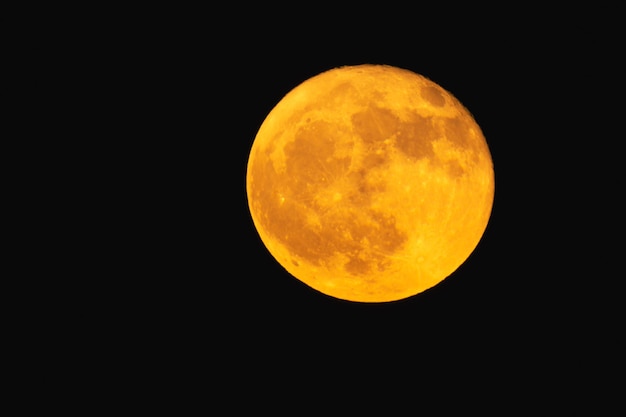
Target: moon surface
[[370, 183]]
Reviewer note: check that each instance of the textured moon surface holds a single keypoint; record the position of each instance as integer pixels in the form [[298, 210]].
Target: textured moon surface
[[370, 183]]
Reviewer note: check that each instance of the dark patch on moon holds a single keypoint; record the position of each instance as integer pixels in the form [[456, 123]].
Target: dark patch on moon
[[357, 266], [433, 95], [364, 187], [318, 231], [310, 159], [375, 124], [415, 137], [457, 131], [454, 169]]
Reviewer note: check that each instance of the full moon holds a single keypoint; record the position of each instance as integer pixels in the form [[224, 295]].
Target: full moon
[[370, 183]]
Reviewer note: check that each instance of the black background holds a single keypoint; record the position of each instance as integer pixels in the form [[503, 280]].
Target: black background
[[155, 112]]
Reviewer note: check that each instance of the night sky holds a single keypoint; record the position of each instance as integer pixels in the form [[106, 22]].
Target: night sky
[[180, 98], [516, 289]]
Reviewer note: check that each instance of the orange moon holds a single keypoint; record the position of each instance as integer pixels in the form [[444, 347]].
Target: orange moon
[[370, 183]]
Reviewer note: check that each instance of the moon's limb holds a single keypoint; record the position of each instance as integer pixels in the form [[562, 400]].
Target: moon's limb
[[370, 183]]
